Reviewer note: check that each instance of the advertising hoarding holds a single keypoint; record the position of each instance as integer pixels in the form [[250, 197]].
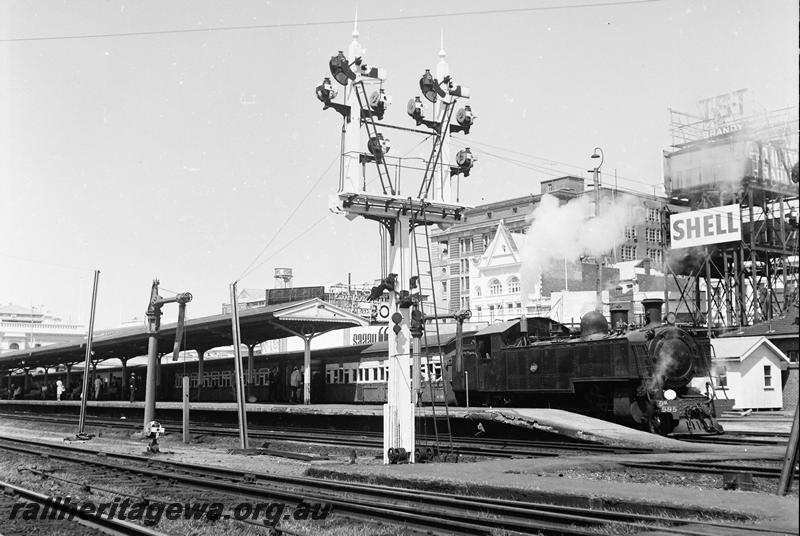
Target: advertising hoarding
[[706, 226]]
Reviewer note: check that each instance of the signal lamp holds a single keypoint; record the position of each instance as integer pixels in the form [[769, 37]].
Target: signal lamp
[[378, 146], [340, 69], [397, 319], [430, 86], [378, 102], [326, 92], [371, 72], [465, 118], [464, 162], [416, 109], [459, 91], [417, 326]]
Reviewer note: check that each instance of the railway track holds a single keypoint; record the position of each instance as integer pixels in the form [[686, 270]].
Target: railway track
[[497, 448], [430, 512], [711, 467], [52, 515]]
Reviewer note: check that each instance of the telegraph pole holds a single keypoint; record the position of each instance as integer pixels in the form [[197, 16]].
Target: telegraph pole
[[87, 362]]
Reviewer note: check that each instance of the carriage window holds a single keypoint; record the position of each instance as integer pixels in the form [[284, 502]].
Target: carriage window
[[346, 376], [261, 379], [225, 379], [193, 379], [375, 374], [361, 375], [215, 379], [383, 372]]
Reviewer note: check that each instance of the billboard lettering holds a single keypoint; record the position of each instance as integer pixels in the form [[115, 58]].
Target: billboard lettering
[[707, 226]]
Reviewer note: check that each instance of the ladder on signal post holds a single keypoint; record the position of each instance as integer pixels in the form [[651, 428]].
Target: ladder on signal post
[[372, 132], [442, 430], [436, 150]]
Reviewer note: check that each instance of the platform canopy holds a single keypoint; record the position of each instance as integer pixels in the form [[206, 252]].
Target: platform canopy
[[257, 325]]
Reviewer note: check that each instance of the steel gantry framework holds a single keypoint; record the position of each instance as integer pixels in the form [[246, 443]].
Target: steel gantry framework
[[755, 279]]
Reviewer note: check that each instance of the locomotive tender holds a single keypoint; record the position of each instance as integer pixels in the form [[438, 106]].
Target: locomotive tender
[[641, 374]]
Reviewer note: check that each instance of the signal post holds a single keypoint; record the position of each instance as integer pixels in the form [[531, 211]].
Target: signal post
[[396, 213]]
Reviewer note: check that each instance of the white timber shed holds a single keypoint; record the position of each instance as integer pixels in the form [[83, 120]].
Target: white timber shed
[[748, 370]]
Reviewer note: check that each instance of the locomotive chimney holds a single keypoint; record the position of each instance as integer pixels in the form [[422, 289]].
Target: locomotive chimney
[[652, 310], [619, 315]]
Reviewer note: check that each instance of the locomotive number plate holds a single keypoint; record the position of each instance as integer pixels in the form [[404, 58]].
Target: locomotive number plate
[[665, 407]]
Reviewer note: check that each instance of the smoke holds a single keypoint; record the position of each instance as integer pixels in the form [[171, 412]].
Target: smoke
[[685, 261], [570, 231], [664, 364]]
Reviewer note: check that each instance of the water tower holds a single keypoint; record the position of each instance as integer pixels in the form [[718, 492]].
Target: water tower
[[283, 278]]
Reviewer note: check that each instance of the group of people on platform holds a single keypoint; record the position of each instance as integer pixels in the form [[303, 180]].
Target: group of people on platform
[[98, 389]]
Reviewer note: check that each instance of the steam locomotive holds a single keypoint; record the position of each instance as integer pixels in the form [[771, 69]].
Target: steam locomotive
[[641, 374]]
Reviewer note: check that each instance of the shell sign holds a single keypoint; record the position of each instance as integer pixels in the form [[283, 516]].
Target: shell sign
[[707, 226]]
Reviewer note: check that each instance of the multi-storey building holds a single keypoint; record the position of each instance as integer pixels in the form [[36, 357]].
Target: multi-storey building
[[22, 328], [458, 246]]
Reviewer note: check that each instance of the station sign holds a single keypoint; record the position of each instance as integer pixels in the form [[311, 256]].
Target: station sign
[[286, 295], [706, 226]]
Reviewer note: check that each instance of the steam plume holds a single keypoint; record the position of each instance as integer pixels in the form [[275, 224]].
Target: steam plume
[[571, 231]]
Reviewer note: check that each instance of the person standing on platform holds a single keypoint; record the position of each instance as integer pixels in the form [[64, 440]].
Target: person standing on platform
[[98, 383], [268, 385], [59, 390], [294, 383], [132, 387], [273, 391]]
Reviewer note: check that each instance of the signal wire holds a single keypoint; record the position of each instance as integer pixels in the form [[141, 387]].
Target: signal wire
[[306, 231], [250, 268]]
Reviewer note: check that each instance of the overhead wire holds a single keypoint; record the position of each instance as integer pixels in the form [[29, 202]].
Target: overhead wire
[[329, 22], [292, 241], [472, 143]]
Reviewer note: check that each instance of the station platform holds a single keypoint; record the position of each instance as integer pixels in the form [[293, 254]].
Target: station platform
[[553, 421]]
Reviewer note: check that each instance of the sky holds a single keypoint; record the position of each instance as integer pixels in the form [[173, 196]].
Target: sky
[[183, 141]]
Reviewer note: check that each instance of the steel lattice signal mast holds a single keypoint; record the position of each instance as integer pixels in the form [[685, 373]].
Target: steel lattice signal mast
[[363, 105]]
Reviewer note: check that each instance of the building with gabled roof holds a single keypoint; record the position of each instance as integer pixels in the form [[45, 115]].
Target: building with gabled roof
[[749, 371], [783, 332]]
